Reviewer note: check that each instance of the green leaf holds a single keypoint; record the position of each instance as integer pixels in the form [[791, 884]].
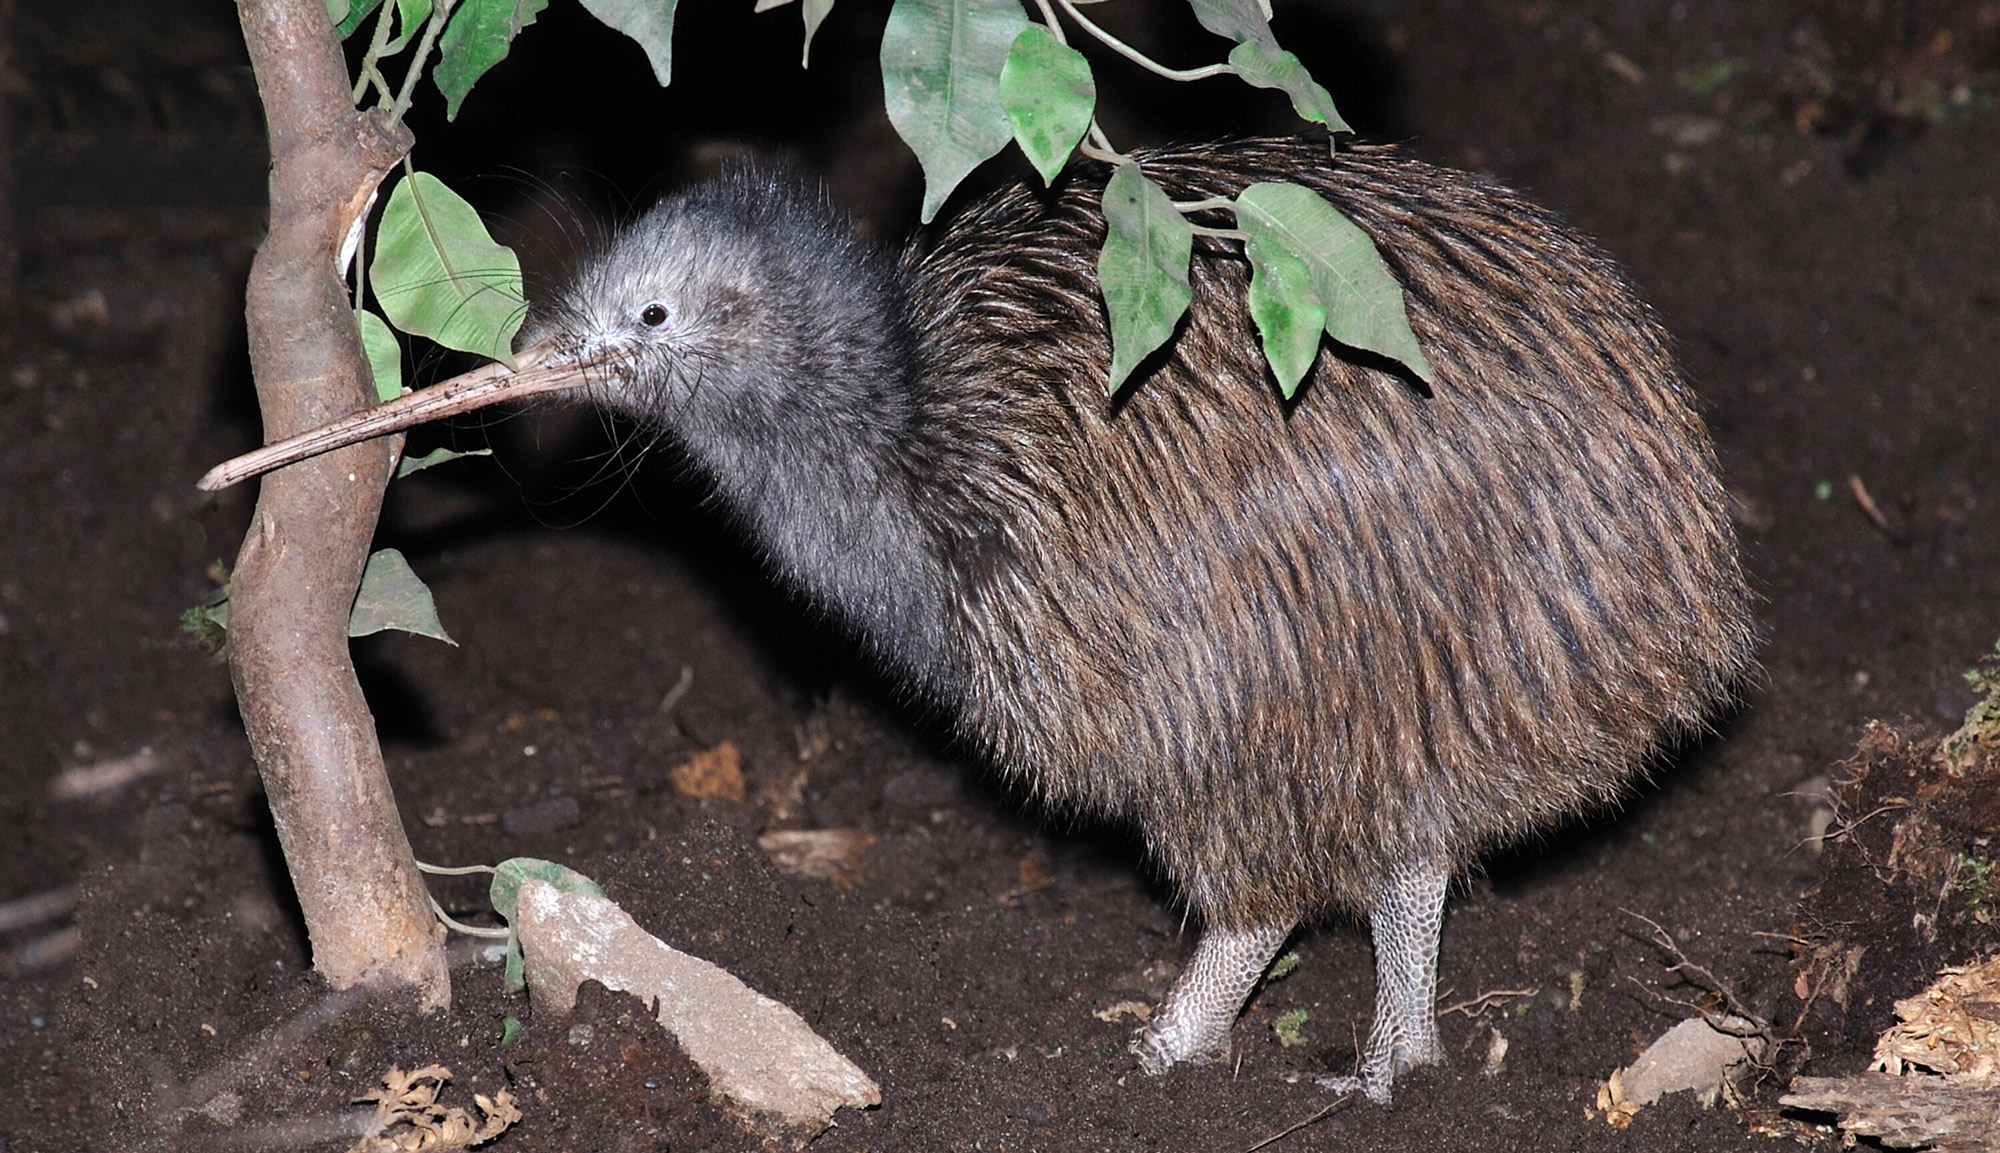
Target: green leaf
[[432, 458], [385, 354], [1143, 268], [1288, 312], [941, 62], [477, 38], [1704, 79], [193, 620], [1243, 21], [392, 597], [510, 1030], [347, 15], [1363, 301], [650, 22], [509, 875], [505, 893], [815, 13], [207, 624], [438, 273], [1049, 95], [410, 17], [1263, 65], [357, 11]]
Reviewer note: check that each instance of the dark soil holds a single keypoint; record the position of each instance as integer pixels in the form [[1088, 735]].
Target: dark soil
[[1807, 191]]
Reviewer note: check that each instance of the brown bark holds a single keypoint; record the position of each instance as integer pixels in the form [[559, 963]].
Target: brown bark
[[300, 565], [1915, 1112]]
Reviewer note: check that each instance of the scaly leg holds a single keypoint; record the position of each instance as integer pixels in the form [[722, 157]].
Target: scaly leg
[[1405, 916], [1193, 1023]]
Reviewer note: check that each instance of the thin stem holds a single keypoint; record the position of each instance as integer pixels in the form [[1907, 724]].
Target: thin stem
[[1219, 233], [1328, 1111], [1103, 155], [459, 871], [431, 30], [445, 918], [1212, 204], [1099, 139], [373, 73], [356, 276], [457, 926], [376, 43], [1138, 57], [1049, 18]]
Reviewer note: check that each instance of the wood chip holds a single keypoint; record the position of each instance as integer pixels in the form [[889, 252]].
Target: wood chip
[[1866, 502], [716, 772], [1948, 1028], [90, 780], [833, 855], [1137, 1010]]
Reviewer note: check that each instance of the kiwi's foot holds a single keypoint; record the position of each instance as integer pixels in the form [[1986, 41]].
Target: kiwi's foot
[[1192, 1026]]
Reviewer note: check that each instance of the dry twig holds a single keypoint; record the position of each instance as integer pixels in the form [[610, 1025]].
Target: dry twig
[[1697, 975], [1330, 1110], [1701, 977], [1478, 1006], [1867, 504]]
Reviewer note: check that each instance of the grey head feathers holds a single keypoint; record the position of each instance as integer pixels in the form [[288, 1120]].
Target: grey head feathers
[[744, 319]]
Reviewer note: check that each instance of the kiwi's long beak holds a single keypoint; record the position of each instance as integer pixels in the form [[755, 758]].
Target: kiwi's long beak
[[540, 370]]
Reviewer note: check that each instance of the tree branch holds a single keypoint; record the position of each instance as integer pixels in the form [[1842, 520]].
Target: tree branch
[[296, 575]]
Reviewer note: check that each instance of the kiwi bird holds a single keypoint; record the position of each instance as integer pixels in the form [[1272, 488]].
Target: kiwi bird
[[1322, 654]]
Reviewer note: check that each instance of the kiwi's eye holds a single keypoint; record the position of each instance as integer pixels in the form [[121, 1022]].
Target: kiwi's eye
[[653, 315]]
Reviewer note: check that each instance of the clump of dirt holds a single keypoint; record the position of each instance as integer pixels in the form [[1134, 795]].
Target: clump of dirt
[[1908, 881]]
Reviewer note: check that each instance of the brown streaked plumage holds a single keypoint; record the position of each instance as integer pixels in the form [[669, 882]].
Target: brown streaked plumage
[[1372, 623]]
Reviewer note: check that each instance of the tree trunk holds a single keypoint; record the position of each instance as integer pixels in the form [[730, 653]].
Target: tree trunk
[[300, 565]]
